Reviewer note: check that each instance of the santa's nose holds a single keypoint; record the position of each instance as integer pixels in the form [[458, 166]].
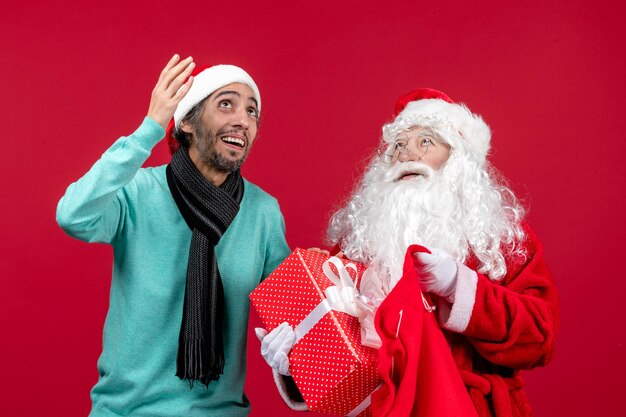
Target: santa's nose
[[406, 155]]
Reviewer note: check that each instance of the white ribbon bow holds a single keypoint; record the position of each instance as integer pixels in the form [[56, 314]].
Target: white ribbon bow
[[341, 295]]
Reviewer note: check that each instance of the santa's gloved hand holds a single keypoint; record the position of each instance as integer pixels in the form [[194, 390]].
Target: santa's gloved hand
[[276, 345], [436, 272]]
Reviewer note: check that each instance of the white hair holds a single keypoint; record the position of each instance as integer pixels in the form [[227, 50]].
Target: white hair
[[465, 209]]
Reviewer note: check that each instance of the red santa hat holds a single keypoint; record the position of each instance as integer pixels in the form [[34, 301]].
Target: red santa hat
[[432, 108], [206, 81]]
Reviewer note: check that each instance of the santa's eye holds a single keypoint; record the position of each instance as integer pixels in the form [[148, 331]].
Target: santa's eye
[[401, 145]]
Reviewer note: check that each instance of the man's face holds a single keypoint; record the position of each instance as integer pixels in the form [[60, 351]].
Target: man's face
[[227, 128]]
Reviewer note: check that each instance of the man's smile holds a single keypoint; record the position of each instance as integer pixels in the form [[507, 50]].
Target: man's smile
[[234, 140]]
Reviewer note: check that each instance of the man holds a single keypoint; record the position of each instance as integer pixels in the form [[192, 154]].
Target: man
[[191, 240], [496, 301]]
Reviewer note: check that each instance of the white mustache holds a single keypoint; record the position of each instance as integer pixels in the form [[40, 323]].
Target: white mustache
[[402, 168]]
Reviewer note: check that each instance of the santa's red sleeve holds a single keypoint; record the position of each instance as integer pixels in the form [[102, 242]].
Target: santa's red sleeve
[[511, 322]]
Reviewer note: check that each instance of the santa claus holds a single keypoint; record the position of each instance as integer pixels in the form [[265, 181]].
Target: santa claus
[[430, 184]]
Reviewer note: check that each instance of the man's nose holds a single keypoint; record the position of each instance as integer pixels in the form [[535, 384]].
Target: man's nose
[[241, 117]]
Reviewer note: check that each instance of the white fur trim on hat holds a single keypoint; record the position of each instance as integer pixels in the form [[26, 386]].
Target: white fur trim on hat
[[209, 80], [470, 126]]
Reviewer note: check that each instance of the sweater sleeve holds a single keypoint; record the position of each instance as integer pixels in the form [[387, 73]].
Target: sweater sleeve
[[91, 208], [513, 322], [277, 249]]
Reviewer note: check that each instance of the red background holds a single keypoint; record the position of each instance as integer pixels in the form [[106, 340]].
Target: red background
[[545, 75]]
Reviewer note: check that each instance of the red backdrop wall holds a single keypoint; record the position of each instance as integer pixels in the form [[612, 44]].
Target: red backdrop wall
[[545, 75]]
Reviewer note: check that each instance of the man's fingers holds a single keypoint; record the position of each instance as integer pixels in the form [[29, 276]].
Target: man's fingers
[[170, 89], [173, 60], [179, 68], [170, 74], [182, 91], [179, 81]]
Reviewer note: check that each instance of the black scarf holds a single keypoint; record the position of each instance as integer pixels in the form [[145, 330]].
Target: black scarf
[[208, 211]]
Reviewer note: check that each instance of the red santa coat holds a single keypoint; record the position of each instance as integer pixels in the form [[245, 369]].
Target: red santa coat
[[495, 329]]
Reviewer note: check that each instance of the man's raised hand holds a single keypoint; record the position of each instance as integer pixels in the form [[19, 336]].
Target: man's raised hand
[[170, 89]]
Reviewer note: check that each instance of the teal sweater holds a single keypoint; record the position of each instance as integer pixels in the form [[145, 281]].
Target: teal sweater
[[130, 207]]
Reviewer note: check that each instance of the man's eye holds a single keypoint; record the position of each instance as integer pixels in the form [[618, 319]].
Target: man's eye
[[253, 112], [225, 104]]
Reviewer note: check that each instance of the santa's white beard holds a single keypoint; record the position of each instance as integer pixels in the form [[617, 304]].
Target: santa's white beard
[[453, 209]]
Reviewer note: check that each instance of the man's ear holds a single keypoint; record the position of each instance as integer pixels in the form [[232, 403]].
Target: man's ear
[[186, 127]]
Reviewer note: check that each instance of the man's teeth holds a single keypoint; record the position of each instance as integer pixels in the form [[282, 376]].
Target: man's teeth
[[235, 141]]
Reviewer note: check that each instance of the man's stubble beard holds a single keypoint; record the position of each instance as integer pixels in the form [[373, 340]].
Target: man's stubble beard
[[205, 145]]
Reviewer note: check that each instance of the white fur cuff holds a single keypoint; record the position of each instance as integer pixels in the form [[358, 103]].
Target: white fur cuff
[[456, 316], [281, 384]]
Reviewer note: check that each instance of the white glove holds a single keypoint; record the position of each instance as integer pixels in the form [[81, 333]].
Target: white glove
[[436, 273], [276, 345]]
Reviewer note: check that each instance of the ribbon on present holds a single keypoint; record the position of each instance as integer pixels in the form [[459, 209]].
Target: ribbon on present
[[372, 295], [367, 303], [339, 297], [343, 296]]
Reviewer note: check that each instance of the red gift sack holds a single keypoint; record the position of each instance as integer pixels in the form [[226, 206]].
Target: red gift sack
[[420, 377]]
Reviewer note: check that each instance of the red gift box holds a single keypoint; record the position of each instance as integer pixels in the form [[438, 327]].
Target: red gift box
[[334, 372]]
